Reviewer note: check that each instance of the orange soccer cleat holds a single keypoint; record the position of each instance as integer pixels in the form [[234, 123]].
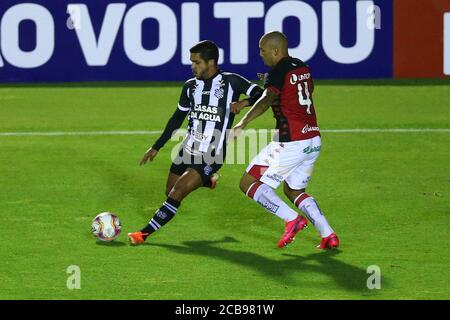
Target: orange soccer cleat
[[137, 238], [291, 229]]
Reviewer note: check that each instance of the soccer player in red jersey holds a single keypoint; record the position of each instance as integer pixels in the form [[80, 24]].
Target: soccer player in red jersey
[[291, 156]]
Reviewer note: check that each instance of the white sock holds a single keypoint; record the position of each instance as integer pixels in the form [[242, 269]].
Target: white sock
[[311, 209], [268, 199]]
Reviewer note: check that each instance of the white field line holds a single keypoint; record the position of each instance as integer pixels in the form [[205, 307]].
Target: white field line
[[79, 133], [114, 133]]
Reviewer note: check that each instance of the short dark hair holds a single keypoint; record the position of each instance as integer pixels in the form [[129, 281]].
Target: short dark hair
[[208, 50]]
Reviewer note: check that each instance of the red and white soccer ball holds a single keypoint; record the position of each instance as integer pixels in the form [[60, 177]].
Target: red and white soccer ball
[[106, 226]]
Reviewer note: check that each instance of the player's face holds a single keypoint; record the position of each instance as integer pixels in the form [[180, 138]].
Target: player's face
[[200, 68], [267, 54]]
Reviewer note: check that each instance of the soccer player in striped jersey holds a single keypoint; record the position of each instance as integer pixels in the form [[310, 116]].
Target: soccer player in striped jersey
[[290, 157], [210, 100]]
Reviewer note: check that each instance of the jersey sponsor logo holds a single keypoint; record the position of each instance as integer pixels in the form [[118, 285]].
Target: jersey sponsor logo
[[206, 113], [275, 177], [199, 135], [308, 128], [309, 150], [194, 89], [207, 109], [295, 78]]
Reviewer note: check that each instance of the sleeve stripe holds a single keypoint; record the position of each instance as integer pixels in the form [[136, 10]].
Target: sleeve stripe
[[250, 89], [184, 108]]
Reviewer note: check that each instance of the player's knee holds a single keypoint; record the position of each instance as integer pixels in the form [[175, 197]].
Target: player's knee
[[243, 186], [287, 190], [176, 193], [246, 182], [291, 193]]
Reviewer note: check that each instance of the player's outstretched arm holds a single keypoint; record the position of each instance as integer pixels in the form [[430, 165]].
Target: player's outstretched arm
[[267, 99], [237, 106], [172, 126], [254, 95]]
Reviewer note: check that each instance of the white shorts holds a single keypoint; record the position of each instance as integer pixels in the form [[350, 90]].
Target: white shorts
[[292, 162]]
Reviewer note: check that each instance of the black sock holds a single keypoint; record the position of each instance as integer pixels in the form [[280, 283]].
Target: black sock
[[162, 216]]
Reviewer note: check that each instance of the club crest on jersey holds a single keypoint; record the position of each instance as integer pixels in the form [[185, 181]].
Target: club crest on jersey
[[219, 93]]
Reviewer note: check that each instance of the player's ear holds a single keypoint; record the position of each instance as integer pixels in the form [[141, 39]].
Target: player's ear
[[276, 51]]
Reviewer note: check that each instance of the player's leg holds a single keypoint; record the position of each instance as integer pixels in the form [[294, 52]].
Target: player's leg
[[171, 180], [189, 181], [178, 167], [266, 197], [262, 192], [295, 190]]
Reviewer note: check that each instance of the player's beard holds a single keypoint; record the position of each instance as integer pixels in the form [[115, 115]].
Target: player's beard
[[199, 75]]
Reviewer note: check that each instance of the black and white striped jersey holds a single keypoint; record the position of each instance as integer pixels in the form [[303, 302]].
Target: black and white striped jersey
[[207, 104]]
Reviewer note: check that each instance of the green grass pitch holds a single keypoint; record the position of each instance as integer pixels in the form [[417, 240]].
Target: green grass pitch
[[387, 195]]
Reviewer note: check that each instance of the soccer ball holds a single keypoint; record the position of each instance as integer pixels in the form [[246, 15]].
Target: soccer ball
[[106, 226]]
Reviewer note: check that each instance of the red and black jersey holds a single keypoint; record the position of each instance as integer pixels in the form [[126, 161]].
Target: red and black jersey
[[295, 114]]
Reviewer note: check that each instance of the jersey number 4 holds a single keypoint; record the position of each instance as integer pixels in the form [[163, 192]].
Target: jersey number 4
[[304, 97]]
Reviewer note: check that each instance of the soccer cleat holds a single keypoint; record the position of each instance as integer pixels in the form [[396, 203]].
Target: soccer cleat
[[214, 179], [137, 238], [291, 229], [330, 242]]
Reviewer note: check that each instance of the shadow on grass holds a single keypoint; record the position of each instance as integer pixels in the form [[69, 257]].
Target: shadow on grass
[[110, 244], [346, 276]]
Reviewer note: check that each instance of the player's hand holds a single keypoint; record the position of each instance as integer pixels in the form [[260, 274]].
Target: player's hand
[[150, 154], [262, 76], [237, 106]]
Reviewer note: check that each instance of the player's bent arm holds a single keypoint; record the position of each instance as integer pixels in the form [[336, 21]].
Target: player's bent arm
[[264, 102], [172, 125], [255, 95]]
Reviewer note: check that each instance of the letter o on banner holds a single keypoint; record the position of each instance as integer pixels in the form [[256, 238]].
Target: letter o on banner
[[309, 30], [133, 34], [45, 35]]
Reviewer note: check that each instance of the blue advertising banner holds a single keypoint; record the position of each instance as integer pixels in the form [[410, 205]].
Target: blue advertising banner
[[105, 40]]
